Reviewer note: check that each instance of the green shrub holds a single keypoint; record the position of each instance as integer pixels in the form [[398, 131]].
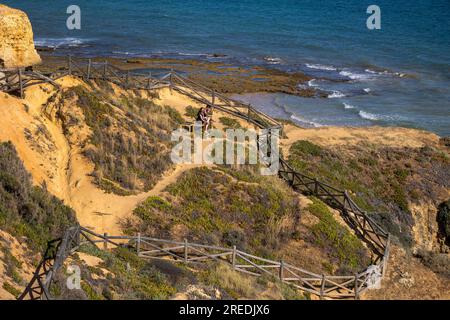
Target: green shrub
[[192, 112], [90, 292], [345, 246], [130, 150], [230, 123], [27, 210], [306, 147], [11, 289], [215, 208], [443, 219], [379, 178], [234, 283]]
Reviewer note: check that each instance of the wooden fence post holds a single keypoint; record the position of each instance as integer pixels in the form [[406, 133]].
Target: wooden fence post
[[185, 250], [213, 97], [386, 255], [322, 287], [105, 241], [138, 243], [316, 186], [70, 65], [127, 79], [233, 258], [20, 84], [170, 77], [356, 287], [105, 69], [89, 69], [281, 270]]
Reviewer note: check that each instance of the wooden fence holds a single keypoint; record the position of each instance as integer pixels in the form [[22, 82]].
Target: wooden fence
[[324, 286], [17, 81], [327, 286]]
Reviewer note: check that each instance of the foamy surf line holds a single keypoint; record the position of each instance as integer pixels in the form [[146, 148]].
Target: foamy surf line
[[321, 67], [348, 106], [370, 116], [305, 122], [61, 42], [336, 94], [300, 120]]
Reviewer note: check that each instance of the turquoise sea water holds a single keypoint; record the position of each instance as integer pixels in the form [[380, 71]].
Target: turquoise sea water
[[399, 75]]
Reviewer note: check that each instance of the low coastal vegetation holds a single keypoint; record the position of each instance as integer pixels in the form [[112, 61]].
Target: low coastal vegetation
[[224, 205], [25, 210], [130, 140], [384, 180], [216, 208], [121, 274], [339, 241], [230, 123]]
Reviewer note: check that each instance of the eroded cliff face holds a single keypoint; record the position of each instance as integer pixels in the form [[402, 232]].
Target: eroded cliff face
[[16, 39]]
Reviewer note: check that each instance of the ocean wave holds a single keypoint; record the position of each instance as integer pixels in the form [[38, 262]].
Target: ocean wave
[[370, 116], [321, 67], [273, 60], [61, 42], [307, 122], [355, 75], [336, 94], [311, 83], [348, 106], [386, 72], [193, 54], [123, 53], [367, 90]]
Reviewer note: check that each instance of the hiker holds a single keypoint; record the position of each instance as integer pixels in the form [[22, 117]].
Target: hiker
[[204, 115]]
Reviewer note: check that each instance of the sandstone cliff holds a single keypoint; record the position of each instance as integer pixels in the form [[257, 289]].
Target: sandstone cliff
[[16, 39]]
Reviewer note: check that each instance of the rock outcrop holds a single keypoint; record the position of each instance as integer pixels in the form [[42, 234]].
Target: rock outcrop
[[16, 39]]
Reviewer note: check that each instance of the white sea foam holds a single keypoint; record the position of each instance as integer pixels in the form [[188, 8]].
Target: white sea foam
[[321, 67], [193, 54], [355, 75], [311, 83], [348, 106], [386, 72], [273, 60], [60, 42], [336, 94], [367, 90], [307, 122], [369, 116]]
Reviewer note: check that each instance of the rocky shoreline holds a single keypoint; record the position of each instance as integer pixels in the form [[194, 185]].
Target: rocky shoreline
[[220, 76]]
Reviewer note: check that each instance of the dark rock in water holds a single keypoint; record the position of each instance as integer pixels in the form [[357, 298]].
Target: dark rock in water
[[218, 55], [135, 61], [45, 49]]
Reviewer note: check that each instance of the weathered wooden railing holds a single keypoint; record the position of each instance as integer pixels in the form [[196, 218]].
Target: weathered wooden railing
[[324, 286], [90, 69], [364, 226], [12, 81]]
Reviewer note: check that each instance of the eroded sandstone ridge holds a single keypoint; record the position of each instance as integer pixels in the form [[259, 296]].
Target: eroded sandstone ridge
[[16, 39]]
